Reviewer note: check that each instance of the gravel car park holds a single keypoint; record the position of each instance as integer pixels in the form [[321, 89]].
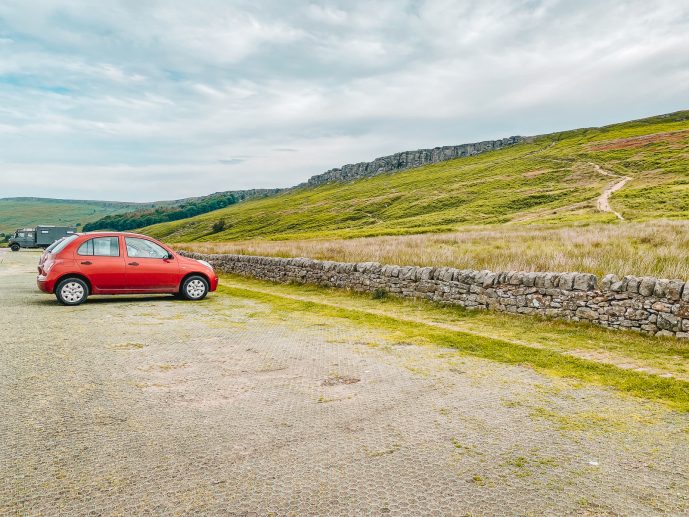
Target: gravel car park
[[149, 405]]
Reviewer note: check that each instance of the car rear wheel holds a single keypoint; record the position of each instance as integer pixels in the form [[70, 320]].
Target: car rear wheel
[[72, 291], [14, 247], [194, 288]]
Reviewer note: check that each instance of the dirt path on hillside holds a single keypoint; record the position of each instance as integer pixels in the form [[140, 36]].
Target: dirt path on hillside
[[603, 202]]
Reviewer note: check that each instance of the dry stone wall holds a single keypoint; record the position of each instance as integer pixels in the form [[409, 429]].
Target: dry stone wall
[[645, 304]]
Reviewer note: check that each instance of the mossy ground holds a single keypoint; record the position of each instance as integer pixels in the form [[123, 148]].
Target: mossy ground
[[632, 364]]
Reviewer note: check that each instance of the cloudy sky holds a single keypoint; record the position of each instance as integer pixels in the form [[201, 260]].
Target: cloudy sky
[[159, 99]]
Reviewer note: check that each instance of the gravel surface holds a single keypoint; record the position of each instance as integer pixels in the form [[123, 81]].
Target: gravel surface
[[137, 405]]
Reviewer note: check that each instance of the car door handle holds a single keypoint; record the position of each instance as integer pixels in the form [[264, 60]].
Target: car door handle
[[87, 262], [132, 263]]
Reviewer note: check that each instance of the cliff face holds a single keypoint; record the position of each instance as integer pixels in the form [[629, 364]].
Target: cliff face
[[408, 160]]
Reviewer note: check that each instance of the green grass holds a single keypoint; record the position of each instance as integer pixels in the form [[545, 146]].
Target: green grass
[[28, 212], [667, 356], [548, 180], [492, 338]]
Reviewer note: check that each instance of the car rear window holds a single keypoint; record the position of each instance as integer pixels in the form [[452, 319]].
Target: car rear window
[[53, 245], [61, 244]]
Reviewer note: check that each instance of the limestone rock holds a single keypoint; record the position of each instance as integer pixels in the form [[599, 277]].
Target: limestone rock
[[408, 160]]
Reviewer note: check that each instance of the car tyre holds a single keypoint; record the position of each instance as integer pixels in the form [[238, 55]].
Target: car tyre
[[72, 291], [14, 247], [194, 288]]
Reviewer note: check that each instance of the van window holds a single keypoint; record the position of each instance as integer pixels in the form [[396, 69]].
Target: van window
[[100, 247]]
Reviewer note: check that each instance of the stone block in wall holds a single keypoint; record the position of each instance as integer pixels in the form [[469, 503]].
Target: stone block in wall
[[660, 289], [608, 280], [425, 273], [566, 281], [620, 285], [584, 282], [489, 279], [529, 279], [447, 275], [681, 310], [668, 322], [674, 289], [633, 284], [551, 280], [647, 286]]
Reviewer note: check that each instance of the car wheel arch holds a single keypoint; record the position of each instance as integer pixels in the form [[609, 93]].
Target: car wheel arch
[[75, 275], [193, 273]]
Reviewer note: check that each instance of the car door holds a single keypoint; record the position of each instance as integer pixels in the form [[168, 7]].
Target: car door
[[102, 262], [149, 266]]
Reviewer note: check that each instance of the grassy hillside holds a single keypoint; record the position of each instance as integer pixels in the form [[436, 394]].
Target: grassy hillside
[[29, 211], [553, 179], [175, 210]]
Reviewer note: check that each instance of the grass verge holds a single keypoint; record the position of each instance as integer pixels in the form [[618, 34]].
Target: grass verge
[[671, 391]]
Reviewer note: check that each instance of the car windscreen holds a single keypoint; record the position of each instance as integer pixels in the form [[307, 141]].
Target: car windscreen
[[61, 244]]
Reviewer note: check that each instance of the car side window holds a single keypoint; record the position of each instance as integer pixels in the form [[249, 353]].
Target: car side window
[[142, 248], [100, 247], [86, 248]]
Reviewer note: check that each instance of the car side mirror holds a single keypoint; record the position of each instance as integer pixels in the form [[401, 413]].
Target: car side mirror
[[170, 256]]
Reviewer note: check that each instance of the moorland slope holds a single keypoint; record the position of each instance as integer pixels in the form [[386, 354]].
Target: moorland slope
[[554, 179]]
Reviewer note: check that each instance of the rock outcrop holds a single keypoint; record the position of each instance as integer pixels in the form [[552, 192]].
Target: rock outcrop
[[408, 160]]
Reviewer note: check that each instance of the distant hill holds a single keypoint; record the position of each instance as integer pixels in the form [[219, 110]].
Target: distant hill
[[175, 210], [19, 212], [557, 178]]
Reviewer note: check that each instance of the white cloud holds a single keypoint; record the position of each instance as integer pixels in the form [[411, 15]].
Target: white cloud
[[143, 100]]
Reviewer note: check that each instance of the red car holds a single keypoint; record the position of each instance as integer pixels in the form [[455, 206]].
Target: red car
[[120, 263]]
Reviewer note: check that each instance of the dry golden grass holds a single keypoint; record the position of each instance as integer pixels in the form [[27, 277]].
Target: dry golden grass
[[656, 248]]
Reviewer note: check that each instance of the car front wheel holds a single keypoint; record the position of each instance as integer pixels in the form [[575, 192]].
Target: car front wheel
[[72, 291], [194, 288], [14, 247]]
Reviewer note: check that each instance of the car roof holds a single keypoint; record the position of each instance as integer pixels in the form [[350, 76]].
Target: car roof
[[114, 234]]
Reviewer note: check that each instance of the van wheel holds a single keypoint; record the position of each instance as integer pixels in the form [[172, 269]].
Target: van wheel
[[71, 291], [194, 288], [14, 247]]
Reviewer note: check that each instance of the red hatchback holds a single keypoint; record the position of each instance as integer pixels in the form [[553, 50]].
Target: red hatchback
[[120, 263]]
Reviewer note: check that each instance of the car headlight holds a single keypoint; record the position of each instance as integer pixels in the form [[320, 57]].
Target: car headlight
[[207, 264]]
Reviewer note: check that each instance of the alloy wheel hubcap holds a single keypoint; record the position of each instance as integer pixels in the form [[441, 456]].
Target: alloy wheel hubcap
[[196, 289], [72, 292]]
